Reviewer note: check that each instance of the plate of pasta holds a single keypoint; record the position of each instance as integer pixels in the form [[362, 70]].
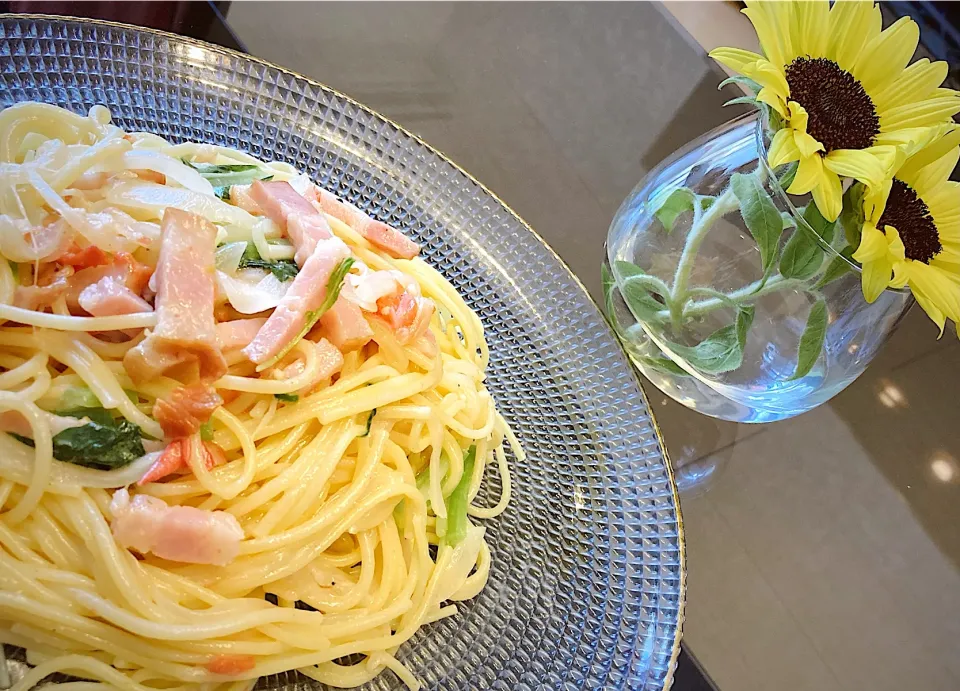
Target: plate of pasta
[[288, 399]]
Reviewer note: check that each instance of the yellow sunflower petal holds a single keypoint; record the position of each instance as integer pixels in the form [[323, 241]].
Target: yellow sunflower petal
[[875, 201], [884, 57], [769, 76], [875, 277], [769, 38], [782, 148], [912, 139], [852, 24], [809, 175], [933, 111], [734, 58], [946, 137], [944, 205], [928, 178], [936, 315], [915, 83], [807, 145], [780, 17], [798, 116], [933, 288], [901, 275], [828, 196], [813, 18], [894, 244], [772, 99], [873, 245], [859, 164]]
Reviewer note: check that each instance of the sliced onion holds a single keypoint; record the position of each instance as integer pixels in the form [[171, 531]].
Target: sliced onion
[[155, 198], [461, 563], [251, 296], [171, 168], [228, 257]]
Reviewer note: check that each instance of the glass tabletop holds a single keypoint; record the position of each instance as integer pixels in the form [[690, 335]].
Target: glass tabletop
[[822, 551]]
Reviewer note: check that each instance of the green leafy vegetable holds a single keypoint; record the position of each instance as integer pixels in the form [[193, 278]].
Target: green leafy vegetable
[[369, 422], [283, 269], [334, 284], [76, 397], [206, 431], [811, 341], [760, 215], [223, 192], [803, 255], [675, 204], [287, 397], [721, 351], [458, 501], [220, 175], [103, 443]]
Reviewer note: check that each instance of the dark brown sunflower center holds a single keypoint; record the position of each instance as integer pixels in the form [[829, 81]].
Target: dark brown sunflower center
[[841, 114], [906, 212]]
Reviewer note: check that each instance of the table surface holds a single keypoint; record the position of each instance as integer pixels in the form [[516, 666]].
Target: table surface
[[822, 552]]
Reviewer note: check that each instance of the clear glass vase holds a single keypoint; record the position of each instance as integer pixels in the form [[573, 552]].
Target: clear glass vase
[[732, 297]]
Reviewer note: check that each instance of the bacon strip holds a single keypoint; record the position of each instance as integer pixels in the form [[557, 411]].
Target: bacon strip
[[344, 326], [301, 220], [178, 533], [186, 330], [380, 235], [110, 296], [308, 291]]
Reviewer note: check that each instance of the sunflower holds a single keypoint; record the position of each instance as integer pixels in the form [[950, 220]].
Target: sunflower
[[843, 87], [911, 230]]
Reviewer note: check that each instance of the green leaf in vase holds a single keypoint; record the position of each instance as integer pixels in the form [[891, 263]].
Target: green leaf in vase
[[838, 267], [803, 255], [811, 341], [662, 364], [639, 290], [851, 215], [760, 215], [721, 351], [607, 284], [675, 204]]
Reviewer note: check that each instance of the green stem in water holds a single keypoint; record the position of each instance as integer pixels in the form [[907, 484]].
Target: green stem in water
[[702, 222]]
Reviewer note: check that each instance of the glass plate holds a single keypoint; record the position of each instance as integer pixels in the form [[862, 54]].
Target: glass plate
[[586, 588]]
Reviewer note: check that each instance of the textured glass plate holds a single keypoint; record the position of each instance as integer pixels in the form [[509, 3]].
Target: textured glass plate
[[586, 588]]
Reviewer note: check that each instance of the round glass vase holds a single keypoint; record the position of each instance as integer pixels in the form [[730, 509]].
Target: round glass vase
[[732, 297]]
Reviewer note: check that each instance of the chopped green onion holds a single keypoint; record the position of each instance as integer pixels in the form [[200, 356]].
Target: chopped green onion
[[334, 284], [206, 431], [287, 397], [458, 500]]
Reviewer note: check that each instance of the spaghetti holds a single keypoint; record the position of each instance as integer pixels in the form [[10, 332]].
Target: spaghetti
[[209, 473]]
